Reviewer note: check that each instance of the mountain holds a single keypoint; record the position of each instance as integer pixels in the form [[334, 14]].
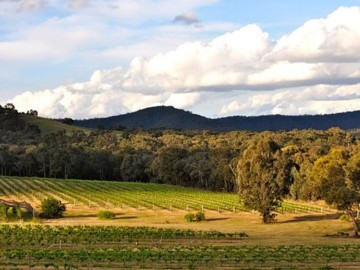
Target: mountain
[[172, 118]]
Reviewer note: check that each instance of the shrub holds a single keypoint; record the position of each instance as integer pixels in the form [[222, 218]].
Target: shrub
[[191, 217], [106, 215], [11, 212], [19, 213], [3, 211], [199, 216], [52, 208]]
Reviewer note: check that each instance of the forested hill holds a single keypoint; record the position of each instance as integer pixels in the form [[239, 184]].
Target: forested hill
[[172, 118]]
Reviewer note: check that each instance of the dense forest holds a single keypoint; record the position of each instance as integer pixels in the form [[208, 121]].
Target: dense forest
[[172, 118]]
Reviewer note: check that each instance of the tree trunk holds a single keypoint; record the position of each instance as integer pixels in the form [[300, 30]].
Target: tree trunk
[[355, 223], [266, 217]]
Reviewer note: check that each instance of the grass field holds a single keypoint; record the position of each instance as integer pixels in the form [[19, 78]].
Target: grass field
[[298, 240], [48, 126]]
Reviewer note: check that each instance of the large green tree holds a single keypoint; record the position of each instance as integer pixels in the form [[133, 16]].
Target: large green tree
[[337, 180], [263, 177]]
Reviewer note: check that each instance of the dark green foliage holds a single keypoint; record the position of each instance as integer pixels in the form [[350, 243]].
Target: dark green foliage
[[14, 130], [134, 166], [199, 216], [334, 184], [68, 121], [106, 215], [52, 208], [263, 177]]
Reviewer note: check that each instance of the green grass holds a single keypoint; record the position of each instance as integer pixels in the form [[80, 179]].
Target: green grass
[[48, 126]]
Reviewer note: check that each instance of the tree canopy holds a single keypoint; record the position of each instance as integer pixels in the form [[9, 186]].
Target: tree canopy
[[263, 177]]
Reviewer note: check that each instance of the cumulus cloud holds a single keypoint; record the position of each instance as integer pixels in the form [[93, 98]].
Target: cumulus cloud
[[333, 39], [314, 69], [187, 18], [318, 99], [101, 96], [226, 60]]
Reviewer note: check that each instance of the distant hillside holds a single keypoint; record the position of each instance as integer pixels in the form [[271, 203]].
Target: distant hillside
[[172, 118], [47, 126], [154, 117]]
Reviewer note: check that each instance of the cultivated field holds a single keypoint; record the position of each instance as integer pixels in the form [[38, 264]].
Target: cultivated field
[[149, 230], [139, 196]]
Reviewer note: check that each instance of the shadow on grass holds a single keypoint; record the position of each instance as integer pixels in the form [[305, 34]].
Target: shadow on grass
[[79, 216], [125, 217], [216, 219], [312, 218]]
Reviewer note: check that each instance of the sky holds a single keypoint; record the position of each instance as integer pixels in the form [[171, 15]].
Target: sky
[[95, 58]]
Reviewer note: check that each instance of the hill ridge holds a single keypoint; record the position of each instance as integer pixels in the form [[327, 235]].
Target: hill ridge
[[172, 118]]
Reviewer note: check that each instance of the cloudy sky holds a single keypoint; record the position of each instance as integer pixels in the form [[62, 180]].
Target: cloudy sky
[[92, 58]]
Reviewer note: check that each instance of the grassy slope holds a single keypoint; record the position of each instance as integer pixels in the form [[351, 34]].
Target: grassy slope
[[48, 126]]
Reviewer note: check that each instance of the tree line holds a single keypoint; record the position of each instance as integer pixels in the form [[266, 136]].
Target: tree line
[[305, 164]]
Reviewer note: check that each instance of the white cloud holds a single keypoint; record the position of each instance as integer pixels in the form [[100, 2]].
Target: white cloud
[[333, 39], [182, 100], [318, 99], [52, 40], [318, 66], [226, 60]]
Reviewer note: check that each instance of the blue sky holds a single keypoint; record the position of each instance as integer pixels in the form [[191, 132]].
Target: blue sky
[[276, 17], [82, 58]]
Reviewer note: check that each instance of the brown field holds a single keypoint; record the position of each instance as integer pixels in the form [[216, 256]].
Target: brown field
[[290, 229]]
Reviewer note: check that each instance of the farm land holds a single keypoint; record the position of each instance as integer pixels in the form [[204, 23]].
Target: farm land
[[149, 230]]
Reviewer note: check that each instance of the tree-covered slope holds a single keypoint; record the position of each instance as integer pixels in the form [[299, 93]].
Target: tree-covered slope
[[172, 118], [154, 117]]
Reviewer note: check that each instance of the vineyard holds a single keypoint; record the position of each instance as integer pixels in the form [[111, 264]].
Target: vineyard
[[30, 246], [84, 247], [140, 196]]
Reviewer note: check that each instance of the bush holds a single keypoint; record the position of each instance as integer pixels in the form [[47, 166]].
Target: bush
[[191, 217], [11, 212], [199, 216], [19, 213], [106, 215], [52, 208], [3, 211]]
